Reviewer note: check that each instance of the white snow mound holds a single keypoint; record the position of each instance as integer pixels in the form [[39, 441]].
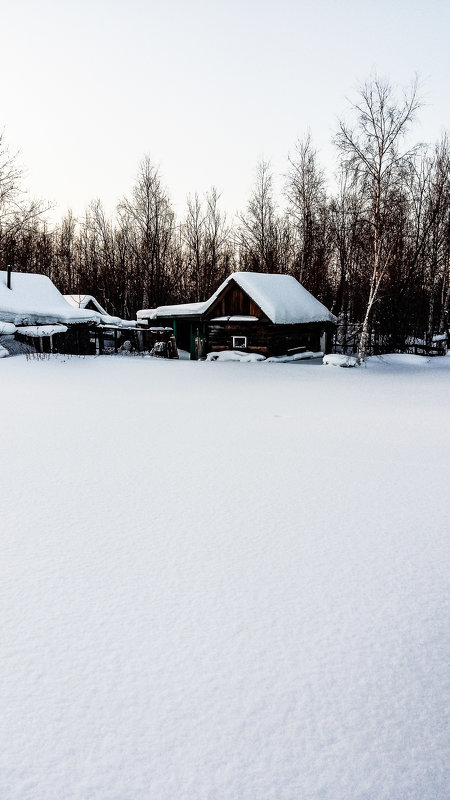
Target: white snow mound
[[234, 355], [339, 360]]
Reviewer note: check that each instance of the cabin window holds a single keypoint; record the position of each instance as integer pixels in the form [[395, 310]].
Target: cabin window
[[239, 342]]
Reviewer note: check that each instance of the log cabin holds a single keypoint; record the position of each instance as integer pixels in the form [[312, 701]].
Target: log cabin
[[271, 315]]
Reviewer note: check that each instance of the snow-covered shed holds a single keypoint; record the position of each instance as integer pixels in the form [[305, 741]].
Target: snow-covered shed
[[272, 315], [38, 312], [113, 334]]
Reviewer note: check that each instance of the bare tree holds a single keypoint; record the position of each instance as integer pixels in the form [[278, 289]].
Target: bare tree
[[370, 147], [345, 211], [18, 213], [437, 216], [148, 219], [219, 262], [10, 182], [305, 192], [193, 232], [207, 246], [258, 231]]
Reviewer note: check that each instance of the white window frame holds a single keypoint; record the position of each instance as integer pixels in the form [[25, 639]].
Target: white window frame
[[239, 346]]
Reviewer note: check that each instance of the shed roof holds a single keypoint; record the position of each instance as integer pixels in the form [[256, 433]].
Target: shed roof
[[34, 299], [281, 297], [180, 310], [83, 300]]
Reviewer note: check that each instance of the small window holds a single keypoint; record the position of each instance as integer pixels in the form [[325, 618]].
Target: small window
[[239, 342]]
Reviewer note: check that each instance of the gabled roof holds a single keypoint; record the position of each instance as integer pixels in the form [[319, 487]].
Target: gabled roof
[[83, 300], [34, 300], [280, 297]]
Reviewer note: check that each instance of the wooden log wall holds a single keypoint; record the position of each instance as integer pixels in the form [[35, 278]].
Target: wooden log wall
[[264, 337], [234, 302]]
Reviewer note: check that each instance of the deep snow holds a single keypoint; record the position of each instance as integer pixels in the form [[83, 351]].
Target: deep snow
[[224, 580]]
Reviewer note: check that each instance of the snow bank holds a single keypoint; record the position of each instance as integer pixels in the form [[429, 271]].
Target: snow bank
[[238, 355], [295, 357], [4, 353], [234, 355], [184, 355], [337, 360]]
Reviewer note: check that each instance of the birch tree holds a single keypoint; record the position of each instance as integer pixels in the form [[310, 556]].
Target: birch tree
[[371, 147]]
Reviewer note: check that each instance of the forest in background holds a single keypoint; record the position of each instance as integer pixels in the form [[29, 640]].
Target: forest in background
[[375, 250]]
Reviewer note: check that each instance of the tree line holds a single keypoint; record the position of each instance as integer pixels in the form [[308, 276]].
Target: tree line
[[375, 249]]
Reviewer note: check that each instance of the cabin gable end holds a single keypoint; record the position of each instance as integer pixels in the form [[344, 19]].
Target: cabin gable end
[[234, 301]]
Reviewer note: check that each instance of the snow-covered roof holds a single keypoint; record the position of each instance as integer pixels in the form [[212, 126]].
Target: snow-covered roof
[[235, 318], [7, 328], [281, 298], [33, 299], [182, 310], [83, 300], [41, 331]]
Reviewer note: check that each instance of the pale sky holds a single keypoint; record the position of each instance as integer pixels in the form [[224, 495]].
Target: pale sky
[[204, 88]]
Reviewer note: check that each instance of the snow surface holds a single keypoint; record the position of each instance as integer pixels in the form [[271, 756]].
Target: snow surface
[[259, 610]]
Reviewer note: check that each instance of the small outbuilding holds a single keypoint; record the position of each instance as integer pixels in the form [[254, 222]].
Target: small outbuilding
[[271, 315], [41, 317], [36, 318]]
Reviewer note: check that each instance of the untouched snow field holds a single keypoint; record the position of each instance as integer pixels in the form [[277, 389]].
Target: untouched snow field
[[224, 581]]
